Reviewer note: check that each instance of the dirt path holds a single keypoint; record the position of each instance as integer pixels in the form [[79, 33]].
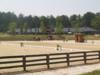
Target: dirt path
[[68, 71]]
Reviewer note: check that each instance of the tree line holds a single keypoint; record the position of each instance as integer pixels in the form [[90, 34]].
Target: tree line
[[10, 22]]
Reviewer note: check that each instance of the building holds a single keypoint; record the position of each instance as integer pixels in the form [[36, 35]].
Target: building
[[86, 30]]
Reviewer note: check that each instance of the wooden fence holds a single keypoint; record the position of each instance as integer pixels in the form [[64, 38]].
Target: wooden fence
[[49, 59]]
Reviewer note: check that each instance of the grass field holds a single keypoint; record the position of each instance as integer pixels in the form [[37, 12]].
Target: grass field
[[93, 73], [7, 37]]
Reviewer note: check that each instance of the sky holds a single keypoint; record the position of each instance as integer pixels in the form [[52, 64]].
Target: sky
[[49, 7]]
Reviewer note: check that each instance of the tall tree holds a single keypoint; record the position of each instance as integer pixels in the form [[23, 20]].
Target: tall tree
[[5, 19], [29, 21], [65, 21], [12, 27], [43, 24], [96, 23], [59, 25], [75, 21], [25, 26], [87, 19], [51, 21], [36, 22], [20, 22]]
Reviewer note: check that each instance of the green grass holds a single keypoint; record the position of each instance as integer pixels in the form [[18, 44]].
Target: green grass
[[97, 72], [5, 37], [20, 37], [92, 37]]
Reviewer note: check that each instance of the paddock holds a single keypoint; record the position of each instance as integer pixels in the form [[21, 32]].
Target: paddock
[[9, 48], [13, 48]]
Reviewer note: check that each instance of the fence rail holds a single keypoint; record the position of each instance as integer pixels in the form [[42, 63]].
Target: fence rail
[[49, 59]]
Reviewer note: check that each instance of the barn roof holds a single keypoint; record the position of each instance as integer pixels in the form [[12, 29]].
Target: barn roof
[[81, 29]]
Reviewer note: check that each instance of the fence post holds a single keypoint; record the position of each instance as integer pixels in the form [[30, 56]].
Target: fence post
[[47, 61], [99, 55], [84, 57], [68, 62], [24, 63]]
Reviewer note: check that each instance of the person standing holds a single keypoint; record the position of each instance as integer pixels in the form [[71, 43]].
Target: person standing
[[21, 44], [59, 47]]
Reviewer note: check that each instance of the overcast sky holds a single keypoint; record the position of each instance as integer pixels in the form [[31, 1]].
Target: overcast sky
[[49, 7]]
